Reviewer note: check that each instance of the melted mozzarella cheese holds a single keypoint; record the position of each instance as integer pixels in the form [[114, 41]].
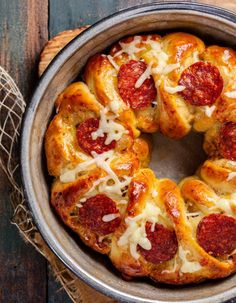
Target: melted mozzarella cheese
[[135, 233], [158, 54], [122, 202], [155, 45], [133, 236], [96, 185], [226, 204], [102, 160], [113, 63], [231, 94], [112, 190], [112, 73], [232, 163], [69, 175], [226, 56], [110, 217], [143, 77], [110, 184], [173, 90], [117, 187], [154, 103], [154, 193], [107, 125], [131, 47], [170, 68], [115, 106], [163, 67], [209, 110], [231, 176], [170, 271], [83, 156], [187, 266], [153, 227], [226, 71], [162, 58]]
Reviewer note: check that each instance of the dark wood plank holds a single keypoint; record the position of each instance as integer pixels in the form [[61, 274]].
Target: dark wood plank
[[23, 32], [23, 274], [77, 13], [56, 293]]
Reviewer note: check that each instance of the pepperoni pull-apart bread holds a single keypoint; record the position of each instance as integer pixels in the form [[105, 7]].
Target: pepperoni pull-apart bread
[[99, 155]]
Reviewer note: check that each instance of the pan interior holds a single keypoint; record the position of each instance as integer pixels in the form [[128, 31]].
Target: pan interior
[[176, 159]]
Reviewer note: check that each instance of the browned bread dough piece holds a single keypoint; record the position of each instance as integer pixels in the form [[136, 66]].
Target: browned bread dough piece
[[148, 226]]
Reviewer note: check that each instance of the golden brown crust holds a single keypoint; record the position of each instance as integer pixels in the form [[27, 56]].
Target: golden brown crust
[[143, 198], [217, 174], [223, 58], [226, 107], [180, 46], [196, 191], [65, 197], [174, 116], [74, 105]]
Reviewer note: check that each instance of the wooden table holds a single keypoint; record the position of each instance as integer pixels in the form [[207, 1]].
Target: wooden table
[[25, 26]]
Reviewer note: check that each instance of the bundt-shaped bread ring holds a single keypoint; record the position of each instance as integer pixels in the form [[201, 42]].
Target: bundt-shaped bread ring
[[99, 155]]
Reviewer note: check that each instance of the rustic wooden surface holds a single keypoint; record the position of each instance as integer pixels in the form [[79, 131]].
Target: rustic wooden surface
[[54, 45], [25, 26]]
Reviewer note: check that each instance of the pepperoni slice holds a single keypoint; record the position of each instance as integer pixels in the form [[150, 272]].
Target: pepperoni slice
[[227, 143], [163, 241], [128, 75], [84, 136], [92, 212], [203, 84], [216, 234]]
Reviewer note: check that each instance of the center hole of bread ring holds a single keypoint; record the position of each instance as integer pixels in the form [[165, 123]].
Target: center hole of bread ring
[[176, 159]]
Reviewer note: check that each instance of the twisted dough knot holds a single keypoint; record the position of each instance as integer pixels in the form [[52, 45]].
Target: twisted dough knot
[[98, 153]]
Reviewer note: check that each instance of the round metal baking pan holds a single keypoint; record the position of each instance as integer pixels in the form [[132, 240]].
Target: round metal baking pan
[[210, 23]]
